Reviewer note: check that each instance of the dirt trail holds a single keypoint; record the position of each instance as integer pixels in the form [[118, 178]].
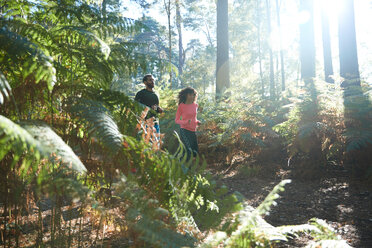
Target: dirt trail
[[345, 204]]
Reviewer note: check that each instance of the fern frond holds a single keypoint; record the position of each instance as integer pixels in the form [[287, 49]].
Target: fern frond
[[15, 138], [38, 140], [265, 206], [81, 36], [60, 152], [147, 218], [19, 51], [312, 128], [329, 244], [356, 139], [100, 122], [295, 230], [5, 89]]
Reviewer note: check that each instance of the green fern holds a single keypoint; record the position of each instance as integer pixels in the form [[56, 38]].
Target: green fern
[[265, 206], [357, 139], [16, 139], [251, 229], [20, 52], [60, 152], [36, 140], [328, 244], [146, 217], [100, 123], [296, 230], [5, 89]]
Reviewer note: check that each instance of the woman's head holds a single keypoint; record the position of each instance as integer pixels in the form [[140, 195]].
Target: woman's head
[[186, 94]]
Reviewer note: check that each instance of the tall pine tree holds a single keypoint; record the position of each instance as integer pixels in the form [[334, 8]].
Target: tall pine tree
[[307, 43], [349, 68], [223, 68], [327, 50]]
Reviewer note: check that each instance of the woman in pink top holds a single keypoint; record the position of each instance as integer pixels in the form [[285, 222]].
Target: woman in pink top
[[186, 118]]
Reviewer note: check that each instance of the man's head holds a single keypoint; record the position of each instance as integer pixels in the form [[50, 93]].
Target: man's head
[[149, 81]]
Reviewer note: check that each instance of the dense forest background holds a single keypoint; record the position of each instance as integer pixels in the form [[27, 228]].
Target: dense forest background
[[284, 93]]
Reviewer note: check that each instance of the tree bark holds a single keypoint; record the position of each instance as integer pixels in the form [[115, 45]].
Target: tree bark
[[259, 46], [307, 42], [327, 50], [349, 68], [281, 54], [104, 11], [356, 104], [167, 6], [181, 55], [272, 76], [222, 70]]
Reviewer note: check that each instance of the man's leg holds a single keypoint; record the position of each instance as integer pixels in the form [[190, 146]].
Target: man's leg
[[157, 127]]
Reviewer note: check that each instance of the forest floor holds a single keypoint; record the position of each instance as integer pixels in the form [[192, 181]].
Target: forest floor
[[345, 204]]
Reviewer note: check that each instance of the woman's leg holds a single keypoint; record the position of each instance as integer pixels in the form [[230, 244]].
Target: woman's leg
[[190, 141], [194, 143], [186, 142]]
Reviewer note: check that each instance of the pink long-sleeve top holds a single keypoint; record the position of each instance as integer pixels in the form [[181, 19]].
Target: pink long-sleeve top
[[186, 112]]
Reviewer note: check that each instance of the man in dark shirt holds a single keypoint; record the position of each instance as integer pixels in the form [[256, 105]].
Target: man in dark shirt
[[149, 98]]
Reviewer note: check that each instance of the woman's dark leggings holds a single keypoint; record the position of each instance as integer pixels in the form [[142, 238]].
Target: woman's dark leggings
[[190, 141]]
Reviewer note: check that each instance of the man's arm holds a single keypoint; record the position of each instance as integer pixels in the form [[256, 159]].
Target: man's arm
[[157, 108]]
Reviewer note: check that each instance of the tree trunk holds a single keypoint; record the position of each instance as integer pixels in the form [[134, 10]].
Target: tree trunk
[[307, 42], [222, 70], [167, 6], [272, 77], [349, 68], [327, 51], [181, 55], [280, 45], [259, 46], [356, 104], [104, 12]]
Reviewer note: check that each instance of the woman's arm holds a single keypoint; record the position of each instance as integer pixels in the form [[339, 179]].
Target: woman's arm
[[178, 116]]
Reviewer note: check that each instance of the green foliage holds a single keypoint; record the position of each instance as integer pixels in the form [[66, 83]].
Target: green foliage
[[312, 130], [99, 123], [250, 229], [264, 207], [60, 152], [357, 139], [240, 123], [15, 138], [146, 217], [296, 230], [5, 89], [179, 184], [357, 119], [320, 231], [327, 232], [329, 244], [36, 140], [19, 52]]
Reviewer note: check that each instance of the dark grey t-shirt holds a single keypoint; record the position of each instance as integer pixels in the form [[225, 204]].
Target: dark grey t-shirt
[[148, 98]]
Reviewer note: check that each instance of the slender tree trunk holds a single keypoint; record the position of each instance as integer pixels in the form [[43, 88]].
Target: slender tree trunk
[[327, 50], [349, 68], [259, 46], [180, 45], [272, 77], [281, 53], [307, 43], [223, 68], [104, 11], [167, 6]]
